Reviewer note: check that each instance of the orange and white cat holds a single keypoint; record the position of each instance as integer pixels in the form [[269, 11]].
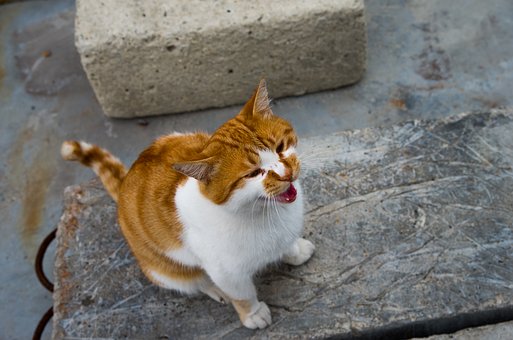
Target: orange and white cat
[[204, 213]]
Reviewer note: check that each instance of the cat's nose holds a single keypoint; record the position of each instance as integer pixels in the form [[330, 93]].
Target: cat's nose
[[288, 176]]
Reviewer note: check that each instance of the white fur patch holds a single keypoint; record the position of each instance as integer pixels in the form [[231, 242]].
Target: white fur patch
[[67, 150], [86, 147], [290, 151], [176, 133], [112, 159], [188, 287], [246, 195], [236, 239], [271, 161], [96, 168], [184, 256]]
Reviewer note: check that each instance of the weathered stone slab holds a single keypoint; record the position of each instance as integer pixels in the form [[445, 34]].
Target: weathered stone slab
[[412, 223], [153, 57]]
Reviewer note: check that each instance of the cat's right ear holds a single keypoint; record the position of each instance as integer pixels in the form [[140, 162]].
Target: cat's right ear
[[258, 104], [201, 170]]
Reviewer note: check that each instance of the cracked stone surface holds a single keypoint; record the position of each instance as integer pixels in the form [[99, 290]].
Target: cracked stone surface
[[410, 223]]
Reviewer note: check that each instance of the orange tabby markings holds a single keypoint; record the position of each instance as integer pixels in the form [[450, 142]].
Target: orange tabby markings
[[110, 170]]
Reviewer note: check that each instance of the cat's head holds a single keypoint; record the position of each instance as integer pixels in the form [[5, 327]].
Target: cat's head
[[250, 158]]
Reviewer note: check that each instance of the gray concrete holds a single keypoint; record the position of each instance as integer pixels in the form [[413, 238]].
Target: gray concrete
[[426, 59], [411, 223], [153, 57]]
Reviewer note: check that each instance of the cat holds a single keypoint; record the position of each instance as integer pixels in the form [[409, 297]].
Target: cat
[[205, 213]]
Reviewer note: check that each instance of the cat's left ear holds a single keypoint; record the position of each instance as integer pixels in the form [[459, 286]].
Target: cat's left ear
[[259, 104], [201, 170]]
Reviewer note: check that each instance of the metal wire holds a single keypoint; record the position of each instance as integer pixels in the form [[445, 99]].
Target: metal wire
[[41, 252]]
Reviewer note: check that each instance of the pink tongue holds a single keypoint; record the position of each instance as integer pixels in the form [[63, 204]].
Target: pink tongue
[[288, 196]]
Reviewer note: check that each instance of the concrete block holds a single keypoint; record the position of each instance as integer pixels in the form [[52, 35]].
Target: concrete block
[[412, 226], [154, 57]]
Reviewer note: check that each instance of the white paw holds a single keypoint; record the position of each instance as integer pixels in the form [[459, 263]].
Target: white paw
[[301, 252], [260, 318]]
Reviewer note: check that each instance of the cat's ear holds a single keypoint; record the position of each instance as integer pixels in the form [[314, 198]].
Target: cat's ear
[[262, 102], [201, 170], [259, 104]]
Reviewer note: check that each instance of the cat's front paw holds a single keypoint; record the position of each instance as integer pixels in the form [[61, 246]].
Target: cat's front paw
[[300, 252], [260, 318]]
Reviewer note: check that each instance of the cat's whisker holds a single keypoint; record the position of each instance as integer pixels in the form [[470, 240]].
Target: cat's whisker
[[283, 226], [315, 161], [270, 225], [315, 151], [270, 228], [272, 202], [308, 167], [291, 233], [276, 208], [318, 144], [253, 211], [316, 158]]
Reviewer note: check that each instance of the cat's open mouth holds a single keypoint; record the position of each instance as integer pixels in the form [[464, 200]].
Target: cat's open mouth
[[287, 196]]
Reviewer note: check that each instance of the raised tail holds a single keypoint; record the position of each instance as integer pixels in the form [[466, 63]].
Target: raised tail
[[110, 169]]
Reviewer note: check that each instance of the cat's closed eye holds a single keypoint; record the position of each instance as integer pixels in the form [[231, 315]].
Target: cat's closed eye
[[280, 147], [255, 173]]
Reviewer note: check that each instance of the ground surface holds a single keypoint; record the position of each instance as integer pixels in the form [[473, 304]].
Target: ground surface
[[426, 59]]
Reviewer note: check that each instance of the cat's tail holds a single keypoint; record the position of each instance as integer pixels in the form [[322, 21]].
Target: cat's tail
[[110, 169]]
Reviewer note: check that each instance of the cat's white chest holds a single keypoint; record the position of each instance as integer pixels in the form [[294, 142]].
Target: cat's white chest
[[243, 241]]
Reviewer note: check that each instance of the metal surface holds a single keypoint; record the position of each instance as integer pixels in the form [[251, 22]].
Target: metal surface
[[426, 59]]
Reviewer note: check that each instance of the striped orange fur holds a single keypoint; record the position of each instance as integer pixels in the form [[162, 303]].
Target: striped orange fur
[[110, 170]]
